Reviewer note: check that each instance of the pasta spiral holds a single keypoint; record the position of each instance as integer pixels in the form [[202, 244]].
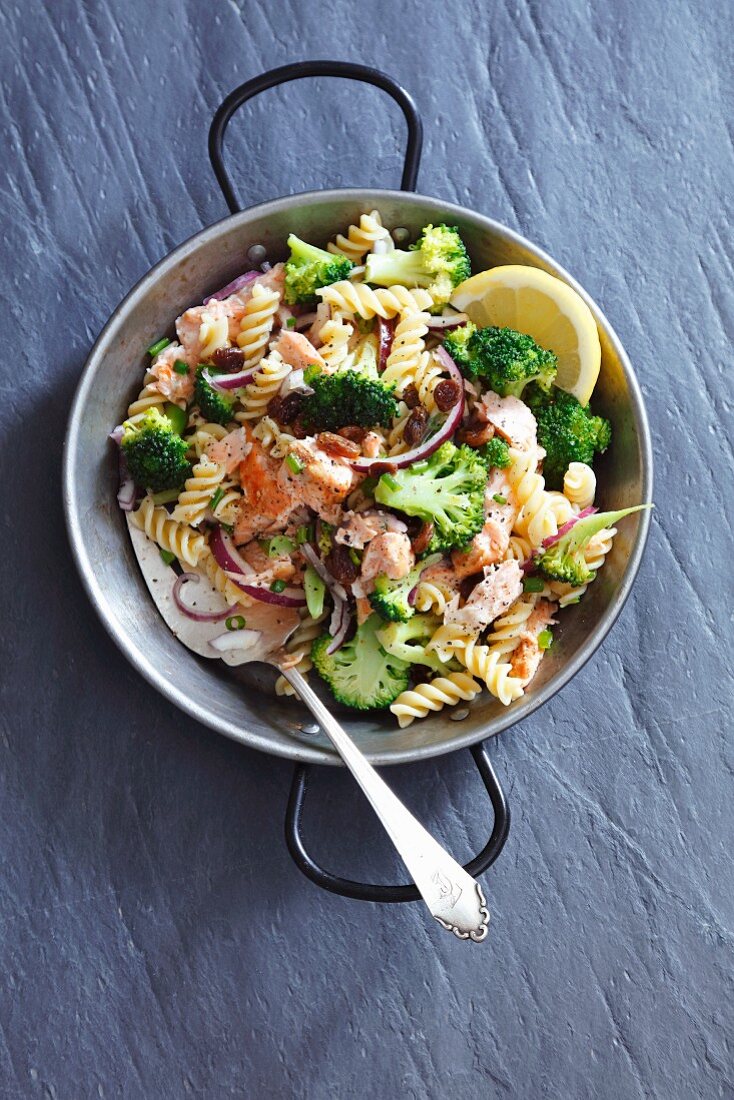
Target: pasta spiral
[[506, 630], [579, 484], [265, 384], [360, 239], [219, 580], [177, 538], [213, 334], [198, 490], [257, 323], [536, 519], [384, 302], [431, 596], [305, 633], [272, 437], [518, 549], [335, 336], [204, 436], [486, 665], [441, 692], [148, 398], [407, 350], [449, 638]]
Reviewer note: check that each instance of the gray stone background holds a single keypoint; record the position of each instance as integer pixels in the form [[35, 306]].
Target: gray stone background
[[155, 940]]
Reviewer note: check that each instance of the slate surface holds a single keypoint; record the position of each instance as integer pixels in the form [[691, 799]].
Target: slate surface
[[155, 940]]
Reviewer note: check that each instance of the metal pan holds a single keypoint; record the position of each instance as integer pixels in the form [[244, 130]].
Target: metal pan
[[244, 707]]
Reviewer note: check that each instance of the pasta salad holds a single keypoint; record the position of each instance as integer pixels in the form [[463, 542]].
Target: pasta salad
[[403, 482]]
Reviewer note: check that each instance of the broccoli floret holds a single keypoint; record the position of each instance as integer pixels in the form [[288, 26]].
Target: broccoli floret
[[437, 261], [348, 398], [390, 598], [495, 453], [309, 268], [565, 560], [456, 343], [446, 490], [568, 431], [508, 360], [213, 405], [408, 641], [154, 452], [361, 674]]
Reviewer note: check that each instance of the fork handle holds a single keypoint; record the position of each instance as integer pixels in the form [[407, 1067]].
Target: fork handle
[[453, 897]]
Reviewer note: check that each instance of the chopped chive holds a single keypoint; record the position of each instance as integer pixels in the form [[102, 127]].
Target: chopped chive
[[354, 555], [235, 622], [216, 498], [499, 499], [545, 639], [391, 482], [168, 557], [533, 584], [278, 586], [293, 463], [228, 527], [278, 546], [291, 322], [303, 534], [180, 367], [159, 345]]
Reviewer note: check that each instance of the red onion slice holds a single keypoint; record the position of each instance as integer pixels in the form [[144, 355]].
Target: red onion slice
[[553, 539], [338, 626], [428, 446], [236, 639], [197, 616], [330, 581], [289, 597], [116, 434], [126, 495], [447, 321], [226, 382], [385, 333], [232, 288]]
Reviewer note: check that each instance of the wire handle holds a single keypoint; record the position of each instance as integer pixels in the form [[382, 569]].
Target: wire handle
[[296, 71], [363, 891]]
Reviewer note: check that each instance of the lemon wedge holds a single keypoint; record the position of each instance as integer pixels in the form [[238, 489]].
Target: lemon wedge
[[532, 301]]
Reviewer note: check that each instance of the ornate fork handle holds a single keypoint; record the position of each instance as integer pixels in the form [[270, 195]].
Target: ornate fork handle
[[453, 897]]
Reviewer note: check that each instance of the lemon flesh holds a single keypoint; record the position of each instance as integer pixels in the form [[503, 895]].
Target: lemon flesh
[[532, 301]]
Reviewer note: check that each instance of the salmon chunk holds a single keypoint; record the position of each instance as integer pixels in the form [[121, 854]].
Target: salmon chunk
[[388, 553], [490, 598], [267, 500], [512, 419], [178, 388], [297, 351], [231, 451], [528, 654]]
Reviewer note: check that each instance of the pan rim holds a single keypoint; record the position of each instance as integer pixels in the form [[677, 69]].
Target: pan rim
[[298, 750]]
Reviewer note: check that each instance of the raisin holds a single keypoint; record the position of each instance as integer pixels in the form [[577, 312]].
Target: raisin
[[420, 543], [340, 565], [353, 432], [379, 468], [468, 585], [298, 428], [446, 394], [337, 445], [476, 432], [229, 359], [416, 425], [411, 396], [284, 410]]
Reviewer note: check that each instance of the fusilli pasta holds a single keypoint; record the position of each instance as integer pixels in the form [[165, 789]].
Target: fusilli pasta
[[213, 334], [177, 538], [335, 335], [257, 323], [441, 692], [360, 239], [361, 299], [536, 519], [148, 398], [266, 382], [198, 490], [579, 484], [487, 666]]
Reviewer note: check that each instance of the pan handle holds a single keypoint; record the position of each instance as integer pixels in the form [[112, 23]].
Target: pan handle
[[296, 71], [364, 891]]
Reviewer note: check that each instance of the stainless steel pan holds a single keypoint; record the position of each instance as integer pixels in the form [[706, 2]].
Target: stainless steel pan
[[246, 709]]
